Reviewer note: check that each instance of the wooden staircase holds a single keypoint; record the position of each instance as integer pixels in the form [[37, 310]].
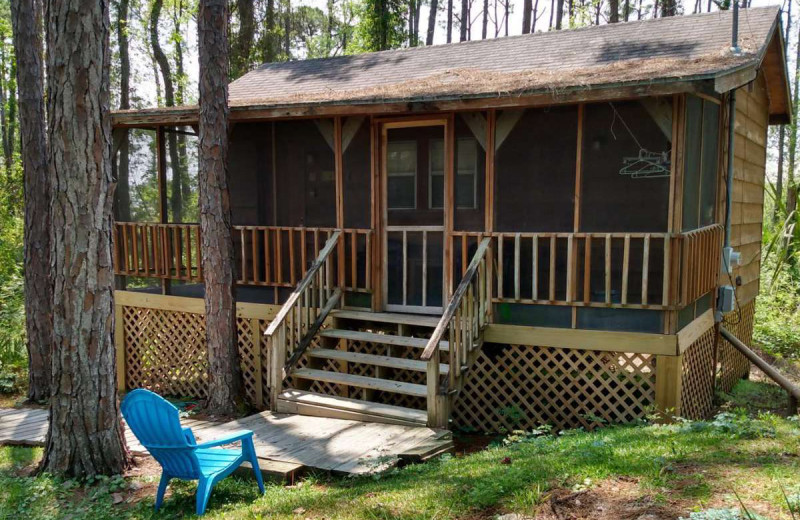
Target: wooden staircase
[[369, 366]]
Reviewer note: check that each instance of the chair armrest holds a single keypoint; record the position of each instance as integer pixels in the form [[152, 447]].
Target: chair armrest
[[187, 432], [227, 439]]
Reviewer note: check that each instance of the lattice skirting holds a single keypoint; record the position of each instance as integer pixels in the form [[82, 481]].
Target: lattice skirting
[[165, 351], [520, 387], [732, 364], [697, 378]]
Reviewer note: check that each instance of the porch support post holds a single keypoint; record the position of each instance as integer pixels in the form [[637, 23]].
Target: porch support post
[[337, 153], [449, 202], [669, 383], [161, 171], [119, 344], [491, 124]]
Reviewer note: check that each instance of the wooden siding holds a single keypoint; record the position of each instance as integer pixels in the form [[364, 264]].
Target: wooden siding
[[750, 154]]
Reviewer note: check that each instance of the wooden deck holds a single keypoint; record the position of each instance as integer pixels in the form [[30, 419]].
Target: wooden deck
[[285, 443]]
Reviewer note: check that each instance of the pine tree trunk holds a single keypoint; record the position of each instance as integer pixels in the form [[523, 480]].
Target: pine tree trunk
[[431, 22], [225, 379], [27, 26], [485, 26], [449, 21], [526, 16], [559, 14], [782, 133], [464, 19], [122, 193], [791, 195], [613, 8], [85, 435], [244, 42], [176, 194]]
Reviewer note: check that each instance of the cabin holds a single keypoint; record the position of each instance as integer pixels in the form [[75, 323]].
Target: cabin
[[487, 235]]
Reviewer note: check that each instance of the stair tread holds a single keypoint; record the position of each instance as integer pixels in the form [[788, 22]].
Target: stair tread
[[389, 317], [377, 360], [388, 339], [373, 383], [354, 405]]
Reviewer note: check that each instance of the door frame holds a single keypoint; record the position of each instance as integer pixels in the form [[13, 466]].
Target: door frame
[[380, 131]]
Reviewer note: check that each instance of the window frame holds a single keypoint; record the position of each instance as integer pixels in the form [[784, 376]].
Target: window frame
[[473, 172], [414, 174]]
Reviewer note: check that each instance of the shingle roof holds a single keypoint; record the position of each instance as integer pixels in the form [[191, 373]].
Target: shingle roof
[[681, 47]]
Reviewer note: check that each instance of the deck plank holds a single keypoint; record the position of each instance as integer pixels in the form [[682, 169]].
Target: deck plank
[[285, 443]]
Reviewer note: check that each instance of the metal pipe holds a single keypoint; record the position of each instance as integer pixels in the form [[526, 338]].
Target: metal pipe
[[735, 31], [729, 180], [792, 391]]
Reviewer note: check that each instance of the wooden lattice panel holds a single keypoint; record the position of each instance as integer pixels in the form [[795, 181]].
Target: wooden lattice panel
[[515, 386], [165, 351], [697, 387], [732, 364]]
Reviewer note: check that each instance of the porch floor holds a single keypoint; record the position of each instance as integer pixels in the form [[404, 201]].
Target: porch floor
[[285, 443]]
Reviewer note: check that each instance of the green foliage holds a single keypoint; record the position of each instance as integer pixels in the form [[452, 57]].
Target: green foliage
[[381, 26], [12, 312]]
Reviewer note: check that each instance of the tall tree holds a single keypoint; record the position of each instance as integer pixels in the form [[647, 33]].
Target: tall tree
[[527, 7], [176, 193], [669, 8], [449, 21], [225, 378], [782, 131], [122, 192], [485, 23], [432, 22], [791, 188], [240, 57], [464, 25], [85, 435], [613, 11], [559, 13], [27, 27]]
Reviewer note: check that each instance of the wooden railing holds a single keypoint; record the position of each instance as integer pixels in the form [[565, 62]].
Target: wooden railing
[[291, 331], [269, 256], [618, 270], [464, 318]]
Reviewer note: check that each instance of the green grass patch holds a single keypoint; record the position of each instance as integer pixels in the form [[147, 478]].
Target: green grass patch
[[688, 463]]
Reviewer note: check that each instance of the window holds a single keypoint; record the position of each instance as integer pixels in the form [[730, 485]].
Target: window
[[466, 173], [701, 164], [401, 169]]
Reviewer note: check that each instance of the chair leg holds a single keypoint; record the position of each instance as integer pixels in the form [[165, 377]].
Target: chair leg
[[204, 487], [250, 453], [162, 487]]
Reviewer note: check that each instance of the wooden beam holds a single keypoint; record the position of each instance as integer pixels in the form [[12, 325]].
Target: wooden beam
[[189, 115], [695, 329], [476, 122], [191, 305], [735, 79], [490, 172], [506, 122], [350, 128], [609, 341], [163, 211], [119, 344], [669, 383]]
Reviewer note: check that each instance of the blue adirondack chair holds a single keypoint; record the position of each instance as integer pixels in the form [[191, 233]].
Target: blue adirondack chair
[[155, 422]]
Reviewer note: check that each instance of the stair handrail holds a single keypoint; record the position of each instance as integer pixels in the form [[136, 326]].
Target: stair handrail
[[466, 315], [292, 330]]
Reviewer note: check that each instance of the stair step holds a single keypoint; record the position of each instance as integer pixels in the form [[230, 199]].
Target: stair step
[[372, 383], [415, 320], [386, 339], [377, 360], [313, 403]]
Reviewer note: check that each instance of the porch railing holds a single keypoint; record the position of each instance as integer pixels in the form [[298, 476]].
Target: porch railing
[[302, 315], [618, 270], [269, 256], [464, 318]]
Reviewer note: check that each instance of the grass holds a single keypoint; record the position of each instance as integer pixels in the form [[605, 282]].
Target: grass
[[668, 470]]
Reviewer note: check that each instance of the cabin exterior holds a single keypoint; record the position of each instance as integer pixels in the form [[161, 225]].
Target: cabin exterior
[[486, 235]]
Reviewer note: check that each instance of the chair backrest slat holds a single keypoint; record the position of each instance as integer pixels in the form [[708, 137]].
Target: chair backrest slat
[[156, 423]]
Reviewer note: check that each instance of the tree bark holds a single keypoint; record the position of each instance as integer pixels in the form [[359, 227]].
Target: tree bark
[[27, 27], [485, 26], [613, 8], [526, 16], [432, 22], [782, 132], [225, 378], [244, 42], [464, 19], [791, 193], [85, 435], [176, 193], [122, 191], [449, 21], [559, 13]]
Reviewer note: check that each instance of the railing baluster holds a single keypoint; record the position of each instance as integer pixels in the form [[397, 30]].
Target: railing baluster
[[666, 270], [645, 267], [517, 282], [405, 267], [535, 268], [587, 269], [424, 267], [500, 266], [552, 285], [608, 269], [626, 260]]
